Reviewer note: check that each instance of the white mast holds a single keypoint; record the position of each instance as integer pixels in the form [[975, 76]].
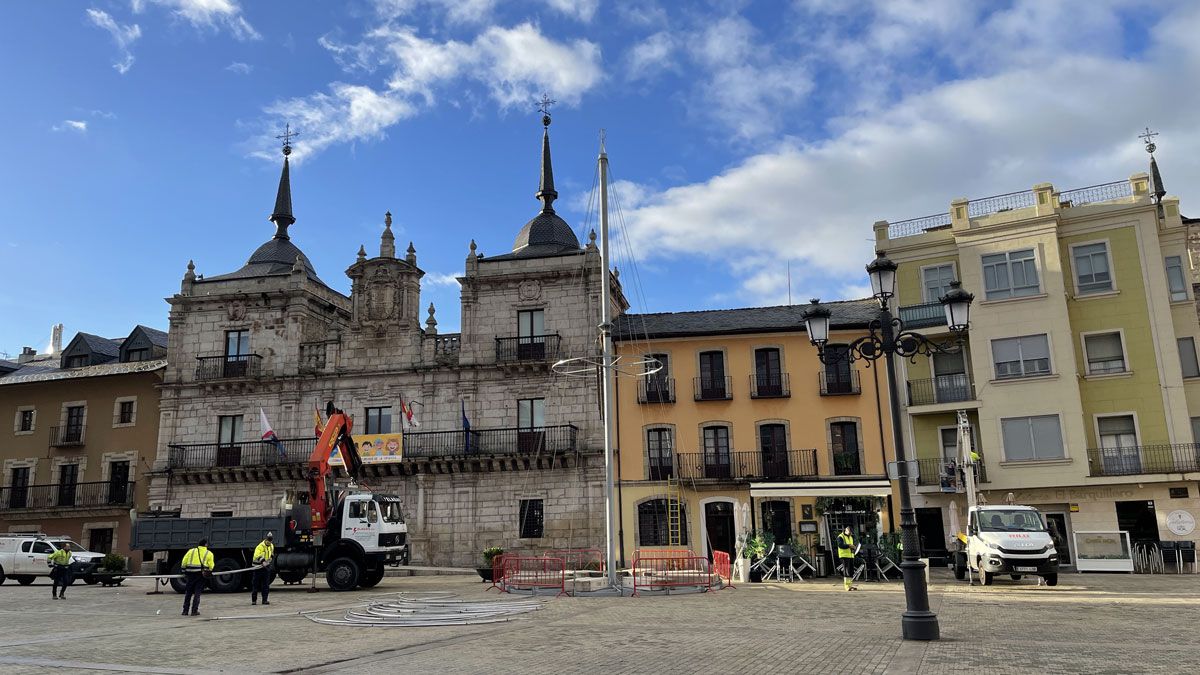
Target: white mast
[[608, 385]]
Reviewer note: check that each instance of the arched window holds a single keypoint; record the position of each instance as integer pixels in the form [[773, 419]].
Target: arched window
[[653, 524]]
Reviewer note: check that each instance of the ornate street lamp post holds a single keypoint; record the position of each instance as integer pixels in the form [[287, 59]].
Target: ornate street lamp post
[[888, 338]]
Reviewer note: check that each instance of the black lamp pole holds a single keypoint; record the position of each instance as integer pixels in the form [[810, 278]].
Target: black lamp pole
[[888, 338]]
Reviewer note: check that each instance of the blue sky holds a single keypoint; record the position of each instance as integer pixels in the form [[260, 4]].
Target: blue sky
[[743, 135]]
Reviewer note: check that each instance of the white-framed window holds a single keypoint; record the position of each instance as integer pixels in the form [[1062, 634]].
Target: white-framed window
[[124, 411], [936, 279], [1025, 356], [1187, 357], [1176, 280], [1032, 438], [1105, 353], [1010, 275], [25, 422], [1093, 271], [1117, 431]]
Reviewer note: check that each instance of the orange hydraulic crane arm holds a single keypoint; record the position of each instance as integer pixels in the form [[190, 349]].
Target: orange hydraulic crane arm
[[336, 434]]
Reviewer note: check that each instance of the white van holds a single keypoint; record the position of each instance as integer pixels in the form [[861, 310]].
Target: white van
[[23, 557]]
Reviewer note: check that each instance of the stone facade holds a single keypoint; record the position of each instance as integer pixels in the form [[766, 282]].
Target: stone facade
[[308, 344]]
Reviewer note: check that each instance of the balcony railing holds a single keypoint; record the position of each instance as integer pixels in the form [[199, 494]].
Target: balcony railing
[[1104, 192], [656, 390], [527, 349], [68, 436], [946, 473], [1144, 459], [941, 389], [746, 465], [839, 383], [228, 367], [915, 226], [770, 385], [417, 445], [100, 494], [713, 388], [998, 203], [923, 315]]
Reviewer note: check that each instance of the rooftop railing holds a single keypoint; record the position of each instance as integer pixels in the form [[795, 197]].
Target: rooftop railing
[[1104, 192]]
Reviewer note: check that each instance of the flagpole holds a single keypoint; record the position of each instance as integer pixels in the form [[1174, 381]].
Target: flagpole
[[608, 386]]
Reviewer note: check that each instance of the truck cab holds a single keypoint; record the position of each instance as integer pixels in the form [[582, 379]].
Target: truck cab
[[375, 523], [1009, 540]]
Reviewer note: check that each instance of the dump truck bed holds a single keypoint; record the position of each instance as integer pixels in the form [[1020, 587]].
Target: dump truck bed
[[165, 534]]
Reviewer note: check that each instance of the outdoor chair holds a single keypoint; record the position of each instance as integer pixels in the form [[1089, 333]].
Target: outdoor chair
[[1187, 554], [1170, 556], [787, 563], [768, 564]]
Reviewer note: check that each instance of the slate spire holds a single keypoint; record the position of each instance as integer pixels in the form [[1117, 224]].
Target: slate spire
[[282, 215], [546, 192]]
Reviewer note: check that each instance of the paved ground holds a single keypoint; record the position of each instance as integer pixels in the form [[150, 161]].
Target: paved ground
[[1090, 623]]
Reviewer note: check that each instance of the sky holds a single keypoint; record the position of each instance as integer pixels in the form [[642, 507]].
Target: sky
[[745, 138]]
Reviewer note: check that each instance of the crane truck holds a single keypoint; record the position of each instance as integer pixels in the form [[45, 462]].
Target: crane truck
[[348, 532], [1007, 539]]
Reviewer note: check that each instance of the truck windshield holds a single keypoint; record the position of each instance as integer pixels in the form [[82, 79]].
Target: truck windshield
[[391, 512], [1003, 520]]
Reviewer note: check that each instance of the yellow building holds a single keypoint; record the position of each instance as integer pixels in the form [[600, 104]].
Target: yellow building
[[84, 432], [1080, 376], [746, 430]]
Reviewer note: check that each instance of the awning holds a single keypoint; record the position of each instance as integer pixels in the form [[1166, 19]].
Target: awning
[[826, 488]]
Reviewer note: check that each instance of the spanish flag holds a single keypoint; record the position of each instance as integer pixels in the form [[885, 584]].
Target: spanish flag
[[319, 427]]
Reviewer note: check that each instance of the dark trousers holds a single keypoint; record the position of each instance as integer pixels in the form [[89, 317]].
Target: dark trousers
[[260, 582], [60, 577], [847, 565], [195, 584]]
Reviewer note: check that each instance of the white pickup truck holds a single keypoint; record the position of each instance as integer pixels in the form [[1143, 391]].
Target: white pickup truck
[[23, 557]]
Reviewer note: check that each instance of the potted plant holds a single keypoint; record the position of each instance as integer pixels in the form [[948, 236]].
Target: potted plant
[[489, 555], [112, 569], [755, 547]]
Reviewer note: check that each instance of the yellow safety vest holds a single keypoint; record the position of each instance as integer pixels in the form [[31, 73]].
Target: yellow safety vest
[[60, 557], [264, 552], [197, 559], [845, 546]]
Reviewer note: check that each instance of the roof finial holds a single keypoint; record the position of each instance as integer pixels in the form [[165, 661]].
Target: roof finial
[[1147, 137], [190, 274], [546, 191], [362, 253], [411, 258], [473, 246], [282, 216], [431, 323], [1156, 182], [387, 241]]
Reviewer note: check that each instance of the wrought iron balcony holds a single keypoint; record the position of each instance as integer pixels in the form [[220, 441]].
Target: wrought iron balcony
[[100, 494], [244, 454], [528, 349], [69, 436], [1144, 459], [839, 383], [941, 389], [770, 385], [713, 388], [656, 389], [923, 315], [242, 366], [946, 473], [746, 465]]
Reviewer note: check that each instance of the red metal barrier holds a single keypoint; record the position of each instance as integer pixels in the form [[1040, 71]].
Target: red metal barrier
[[578, 559], [498, 572], [723, 568], [533, 573], [665, 573], [663, 553]]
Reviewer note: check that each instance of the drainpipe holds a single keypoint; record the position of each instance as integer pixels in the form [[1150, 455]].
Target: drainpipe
[[883, 447], [617, 453]]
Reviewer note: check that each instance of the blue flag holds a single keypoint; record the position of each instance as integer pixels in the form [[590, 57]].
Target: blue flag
[[466, 423]]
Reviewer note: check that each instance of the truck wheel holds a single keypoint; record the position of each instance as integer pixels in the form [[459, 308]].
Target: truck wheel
[[90, 580], [371, 578], [1051, 579], [178, 583], [292, 576], [960, 566], [343, 574], [1015, 577], [987, 578], [2, 576], [25, 579], [225, 583]]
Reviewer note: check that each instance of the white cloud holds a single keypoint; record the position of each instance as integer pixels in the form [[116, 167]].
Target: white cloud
[[239, 68], [651, 56], [79, 126], [582, 10], [480, 11], [814, 203], [208, 14], [439, 279], [105, 114], [123, 36], [509, 63]]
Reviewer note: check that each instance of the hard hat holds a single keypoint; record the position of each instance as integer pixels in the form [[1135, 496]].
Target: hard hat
[[270, 536]]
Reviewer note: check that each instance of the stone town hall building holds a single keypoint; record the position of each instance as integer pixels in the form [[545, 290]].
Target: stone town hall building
[[273, 335]]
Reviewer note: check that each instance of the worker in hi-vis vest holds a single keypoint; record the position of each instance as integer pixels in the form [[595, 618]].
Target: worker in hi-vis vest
[[846, 552], [60, 571], [260, 582], [197, 564]]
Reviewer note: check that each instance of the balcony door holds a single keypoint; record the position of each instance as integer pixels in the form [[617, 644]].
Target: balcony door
[[846, 460], [237, 353], [950, 382], [838, 377], [712, 375], [531, 420], [772, 446], [716, 452], [1118, 445], [73, 433], [18, 488], [658, 386], [659, 455], [68, 480], [229, 436], [768, 372], [531, 335], [118, 482]]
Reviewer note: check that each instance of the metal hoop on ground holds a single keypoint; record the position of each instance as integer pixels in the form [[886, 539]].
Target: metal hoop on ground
[[625, 366]]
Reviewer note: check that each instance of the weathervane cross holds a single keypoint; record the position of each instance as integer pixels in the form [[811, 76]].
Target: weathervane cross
[[1147, 137], [544, 108], [287, 137]]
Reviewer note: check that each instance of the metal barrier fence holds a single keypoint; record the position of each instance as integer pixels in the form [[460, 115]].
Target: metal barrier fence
[[663, 553], [533, 573], [723, 567], [578, 559], [498, 572], [665, 573]]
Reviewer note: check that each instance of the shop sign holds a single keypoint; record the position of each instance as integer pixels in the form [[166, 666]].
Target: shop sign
[[1074, 508], [374, 449], [1181, 523]]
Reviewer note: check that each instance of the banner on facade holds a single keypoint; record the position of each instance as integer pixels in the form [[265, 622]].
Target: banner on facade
[[374, 449]]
